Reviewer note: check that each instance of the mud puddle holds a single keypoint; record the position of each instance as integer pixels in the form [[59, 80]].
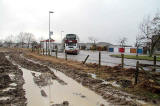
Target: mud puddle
[[74, 93], [33, 93]]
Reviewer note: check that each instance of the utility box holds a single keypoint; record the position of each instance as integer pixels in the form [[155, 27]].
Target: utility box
[[133, 50], [121, 50], [140, 51], [111, 49]]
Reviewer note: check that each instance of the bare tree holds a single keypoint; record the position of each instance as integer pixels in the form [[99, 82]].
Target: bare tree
[[1, 43], [39, 41], [122, 41], [9, 40], [21, 38], [150, 32], [29, 37], [138, 43]]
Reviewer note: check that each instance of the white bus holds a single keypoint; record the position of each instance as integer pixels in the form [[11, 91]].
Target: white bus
[[71, 44]]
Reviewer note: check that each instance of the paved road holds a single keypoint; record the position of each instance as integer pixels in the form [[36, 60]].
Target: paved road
[[106, 59]]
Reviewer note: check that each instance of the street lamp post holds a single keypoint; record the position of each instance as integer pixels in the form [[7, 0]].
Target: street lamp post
[[49, 32]]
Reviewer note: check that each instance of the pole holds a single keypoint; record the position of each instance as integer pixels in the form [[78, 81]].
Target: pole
[[32, 48], [154, 63], [65, 56], [43, 51], [46, 48], [85, 59], [136, 73], [122, 55], [38, 50], [56, 52], [49, 33], [99, 59]]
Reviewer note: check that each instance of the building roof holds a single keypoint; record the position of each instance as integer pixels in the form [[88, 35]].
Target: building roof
[[103, 44]]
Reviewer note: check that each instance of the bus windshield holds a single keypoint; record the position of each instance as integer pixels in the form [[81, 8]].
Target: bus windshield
[[71, 44]]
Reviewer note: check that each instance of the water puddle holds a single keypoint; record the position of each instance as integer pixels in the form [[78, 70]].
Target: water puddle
[[73, 92], [7, 89], [4, 98], [76, 94], [33, 93], [113, 83], [13, 84]]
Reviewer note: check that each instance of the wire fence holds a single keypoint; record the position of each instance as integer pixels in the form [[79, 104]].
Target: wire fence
[[96, 57]]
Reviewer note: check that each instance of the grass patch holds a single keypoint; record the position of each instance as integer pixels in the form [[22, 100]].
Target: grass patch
[[140, 57]]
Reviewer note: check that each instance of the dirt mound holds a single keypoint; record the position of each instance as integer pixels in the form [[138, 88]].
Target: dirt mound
[[11, 84], [124, 83], [5, 81]]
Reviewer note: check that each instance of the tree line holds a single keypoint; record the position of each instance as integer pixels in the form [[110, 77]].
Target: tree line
[[23, 38]]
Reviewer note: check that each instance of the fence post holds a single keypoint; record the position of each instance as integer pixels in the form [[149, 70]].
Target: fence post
[[32, 48], [99, 59], [65, 56], [51, 52], [56, 53], [43, 51], [122, 60], [48, 52], [136, 72], [154, 63], [85, 60], [38, 50], [46, 48]]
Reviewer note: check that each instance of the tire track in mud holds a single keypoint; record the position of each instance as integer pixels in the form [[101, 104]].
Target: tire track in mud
[[45, 74], [44, 70]]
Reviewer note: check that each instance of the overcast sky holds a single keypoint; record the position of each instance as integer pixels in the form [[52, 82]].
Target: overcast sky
[[106, 20]]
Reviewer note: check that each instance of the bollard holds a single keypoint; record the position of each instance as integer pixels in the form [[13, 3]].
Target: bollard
[[154, 63], [43, 51], [99, 60], [65, 56], [122, 60], [85, 60], [136, 73]]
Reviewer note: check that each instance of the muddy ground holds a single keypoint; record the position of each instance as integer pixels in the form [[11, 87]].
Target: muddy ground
[[114, 84], [45, 76], [11, 84], [12, 92], [147, 89]]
